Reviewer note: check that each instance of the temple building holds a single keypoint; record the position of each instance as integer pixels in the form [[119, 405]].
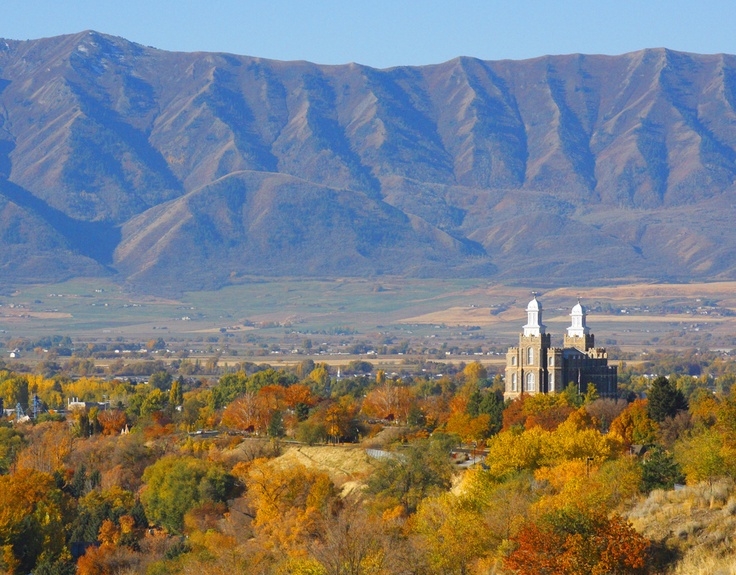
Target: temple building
[[537, 367]]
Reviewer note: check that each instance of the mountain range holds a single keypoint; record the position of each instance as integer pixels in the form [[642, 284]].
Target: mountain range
[[184, 171]]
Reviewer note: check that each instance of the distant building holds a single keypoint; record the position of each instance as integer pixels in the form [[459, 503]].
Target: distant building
[[537, 367]]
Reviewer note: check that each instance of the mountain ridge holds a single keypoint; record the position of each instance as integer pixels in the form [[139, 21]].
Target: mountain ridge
[[571, 168]]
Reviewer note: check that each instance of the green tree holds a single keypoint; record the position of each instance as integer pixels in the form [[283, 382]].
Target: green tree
[[493, 405], [154, 401], [412, 474], [176, 394], [174, 485], [660, 470], [11, 442], [161, 380], [702, 456], [665, 400], [276, 425]]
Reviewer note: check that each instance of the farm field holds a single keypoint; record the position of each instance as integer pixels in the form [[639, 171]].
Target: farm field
[[629, 316]]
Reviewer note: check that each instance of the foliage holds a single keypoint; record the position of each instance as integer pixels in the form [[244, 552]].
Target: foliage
[[660, 470], [455, 535], [665, 400], [288, 503], [174, 485], [633, 426], [11, 443], [389, 401], [574, 543], [512, 451], [33, 519], [161, 380], [412, 474]]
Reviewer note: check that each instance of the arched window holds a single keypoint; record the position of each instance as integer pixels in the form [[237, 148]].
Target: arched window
[[530, 382], [530, 356], [552, 381], [513, 382], [513, 360], [551, 359]]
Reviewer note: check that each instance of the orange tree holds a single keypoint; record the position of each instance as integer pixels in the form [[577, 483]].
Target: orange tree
[[574, 543]]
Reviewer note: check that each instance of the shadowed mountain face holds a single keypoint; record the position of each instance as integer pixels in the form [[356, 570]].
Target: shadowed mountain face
[[185, 171]]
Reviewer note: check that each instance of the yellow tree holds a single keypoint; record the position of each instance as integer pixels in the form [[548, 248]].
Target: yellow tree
[[33, 514], [474, 373], [49, 444], [467, 427], [454, 536], [511, 451], [288, 502]]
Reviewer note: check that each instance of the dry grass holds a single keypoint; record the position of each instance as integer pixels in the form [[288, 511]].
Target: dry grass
[[701, 562], [699, 522], [650, 290], [347, 466]]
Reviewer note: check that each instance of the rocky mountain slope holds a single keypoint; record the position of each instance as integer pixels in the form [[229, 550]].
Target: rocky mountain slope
[[193, 169]]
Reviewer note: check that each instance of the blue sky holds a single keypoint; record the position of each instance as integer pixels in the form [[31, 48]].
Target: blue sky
[[385, 33]]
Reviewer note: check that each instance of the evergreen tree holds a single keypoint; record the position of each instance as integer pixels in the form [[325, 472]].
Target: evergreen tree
[[276, 425], [493, 405], [665, 400], [474, 403], [659, 470]]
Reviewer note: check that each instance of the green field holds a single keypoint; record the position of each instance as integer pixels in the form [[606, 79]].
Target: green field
[[627, 316]]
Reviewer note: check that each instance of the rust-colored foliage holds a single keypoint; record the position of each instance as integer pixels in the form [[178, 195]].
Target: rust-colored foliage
[[575, 544], [298, 393], [514, 414], [112, 421], [389, 401], [634, 426], [250, 412]]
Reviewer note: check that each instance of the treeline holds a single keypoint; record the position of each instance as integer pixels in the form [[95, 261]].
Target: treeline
[[131, 481]]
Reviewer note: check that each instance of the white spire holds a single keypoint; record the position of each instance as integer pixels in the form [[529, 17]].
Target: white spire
[[534, 324], [578, 327]]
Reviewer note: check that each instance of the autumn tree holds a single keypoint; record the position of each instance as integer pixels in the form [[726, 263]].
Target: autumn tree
[[573, 543], [115, 505], [454, 535], [475, 373], [48, 446], [505, 505], [288, 503], [634, 426], [469, 428], [297, 394], [389, 401], [32, 521], [703, 457], [112, 421], [349, 544], [250, 412], [14, 391]]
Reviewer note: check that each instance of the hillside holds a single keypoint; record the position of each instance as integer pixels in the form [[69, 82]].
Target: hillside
[[167, 169]]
